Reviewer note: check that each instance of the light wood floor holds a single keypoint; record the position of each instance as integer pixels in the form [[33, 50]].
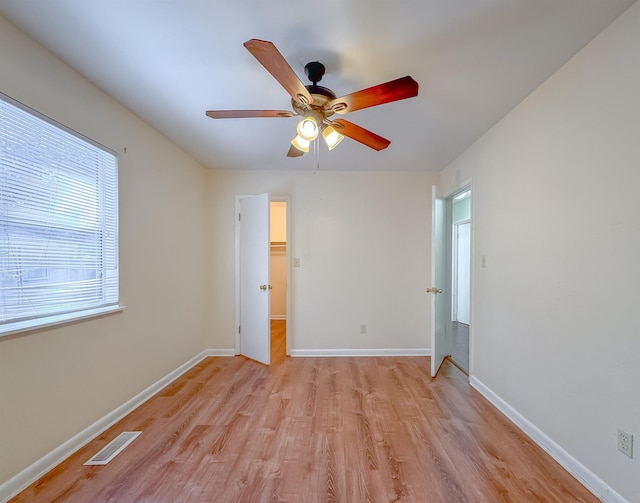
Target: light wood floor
[[310, 430]]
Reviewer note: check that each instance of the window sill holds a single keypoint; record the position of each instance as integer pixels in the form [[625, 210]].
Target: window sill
[[56, 320]]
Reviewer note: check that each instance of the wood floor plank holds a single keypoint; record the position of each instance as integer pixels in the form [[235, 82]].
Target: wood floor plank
[[314, 430]]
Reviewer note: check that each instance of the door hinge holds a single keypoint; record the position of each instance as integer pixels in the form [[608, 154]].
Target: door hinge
[[238, 328], [238, 217]]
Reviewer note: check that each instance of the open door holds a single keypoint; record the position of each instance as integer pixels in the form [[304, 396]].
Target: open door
[[439, 340], [255, 331]]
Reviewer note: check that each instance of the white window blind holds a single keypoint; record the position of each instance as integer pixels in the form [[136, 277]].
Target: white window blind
[[58, 221]]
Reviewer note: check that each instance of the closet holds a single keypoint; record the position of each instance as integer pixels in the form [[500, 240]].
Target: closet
[[278, 260]]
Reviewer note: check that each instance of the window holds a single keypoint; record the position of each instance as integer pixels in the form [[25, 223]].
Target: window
[[58, 222]]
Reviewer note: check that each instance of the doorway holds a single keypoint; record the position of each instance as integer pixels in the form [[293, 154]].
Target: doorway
[[278, 278], [255, 246], [451, 272], [461, 277]]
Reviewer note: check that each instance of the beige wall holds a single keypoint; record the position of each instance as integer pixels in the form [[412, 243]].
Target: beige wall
[[56, 382], [555, 211], [363, 240]]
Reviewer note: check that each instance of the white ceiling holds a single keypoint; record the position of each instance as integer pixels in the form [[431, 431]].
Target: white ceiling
[[170, 60]]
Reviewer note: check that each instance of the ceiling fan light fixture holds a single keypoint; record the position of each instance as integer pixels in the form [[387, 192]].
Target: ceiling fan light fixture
[[331, 137], [300, 143], [315, 104], [308, 128]]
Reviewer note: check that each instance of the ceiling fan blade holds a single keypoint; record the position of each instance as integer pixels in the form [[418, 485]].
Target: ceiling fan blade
[[394, 90], [243, 114], [360, 134], [294, 152], [269, 56]]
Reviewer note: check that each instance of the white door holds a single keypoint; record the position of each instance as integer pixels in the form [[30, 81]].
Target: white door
[[255, 333], [439, 320]]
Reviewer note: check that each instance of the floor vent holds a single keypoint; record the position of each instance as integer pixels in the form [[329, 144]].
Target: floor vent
[[113, 448]]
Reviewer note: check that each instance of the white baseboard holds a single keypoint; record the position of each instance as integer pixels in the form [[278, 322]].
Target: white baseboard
[[218, 352], [585, 476], [33, 472], [362, 352]]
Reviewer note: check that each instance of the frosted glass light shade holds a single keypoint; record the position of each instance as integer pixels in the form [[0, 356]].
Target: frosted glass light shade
[[332, 137], [300, 143], [308, 128]]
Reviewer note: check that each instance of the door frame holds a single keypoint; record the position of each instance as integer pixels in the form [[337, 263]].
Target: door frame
[[272, 198]]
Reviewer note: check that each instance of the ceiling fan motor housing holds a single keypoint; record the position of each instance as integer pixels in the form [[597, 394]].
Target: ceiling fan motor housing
[[321, 95], [314, 71]]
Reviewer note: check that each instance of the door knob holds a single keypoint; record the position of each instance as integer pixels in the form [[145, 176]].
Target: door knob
[[434, 290], [263, 287]]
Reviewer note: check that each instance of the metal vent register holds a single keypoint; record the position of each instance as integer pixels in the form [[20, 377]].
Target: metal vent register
[[113, 448]]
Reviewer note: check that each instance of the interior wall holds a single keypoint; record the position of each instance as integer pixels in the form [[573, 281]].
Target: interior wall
[[56, 382], [363, 240], [555, 208]]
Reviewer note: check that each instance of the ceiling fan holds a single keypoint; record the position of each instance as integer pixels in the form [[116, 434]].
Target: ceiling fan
[[317, 105]]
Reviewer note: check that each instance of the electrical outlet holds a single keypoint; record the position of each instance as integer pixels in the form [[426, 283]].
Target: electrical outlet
[[363, 329], [625, 443]]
